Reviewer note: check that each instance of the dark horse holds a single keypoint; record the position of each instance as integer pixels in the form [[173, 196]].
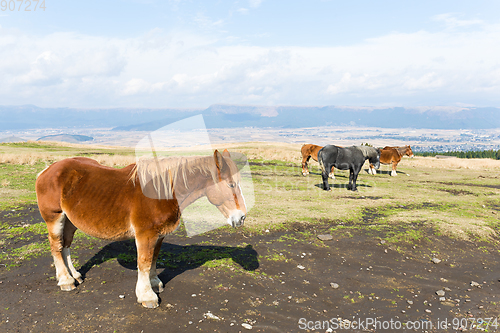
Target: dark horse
[[349, 158]]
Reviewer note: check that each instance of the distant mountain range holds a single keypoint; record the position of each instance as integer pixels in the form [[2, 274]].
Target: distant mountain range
[[231, 116]]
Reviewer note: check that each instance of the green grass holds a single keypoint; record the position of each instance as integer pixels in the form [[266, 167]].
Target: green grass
[[402, 210]]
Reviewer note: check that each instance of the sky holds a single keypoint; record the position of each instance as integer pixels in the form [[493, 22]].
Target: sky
[[192, 54]]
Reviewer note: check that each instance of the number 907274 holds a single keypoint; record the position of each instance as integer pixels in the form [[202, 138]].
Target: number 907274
[[22, 5]]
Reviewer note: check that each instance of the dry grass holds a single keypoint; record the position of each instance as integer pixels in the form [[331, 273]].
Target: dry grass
[[452, 163]]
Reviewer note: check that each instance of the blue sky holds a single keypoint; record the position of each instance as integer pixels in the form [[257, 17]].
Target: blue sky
[[187, 53]]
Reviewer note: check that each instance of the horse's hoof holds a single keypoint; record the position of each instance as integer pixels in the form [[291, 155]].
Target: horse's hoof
[[158, 289], [79, 280], [150, 304], [67, 287]]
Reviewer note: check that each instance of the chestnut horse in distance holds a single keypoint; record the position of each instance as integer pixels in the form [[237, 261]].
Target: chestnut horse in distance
[[308, 151], [392, 155], [142, 201]]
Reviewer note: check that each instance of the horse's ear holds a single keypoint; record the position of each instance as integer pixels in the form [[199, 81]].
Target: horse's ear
[[225, 153], [218, 159]]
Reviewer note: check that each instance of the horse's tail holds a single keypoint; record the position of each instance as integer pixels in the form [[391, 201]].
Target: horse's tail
[[320, 161]]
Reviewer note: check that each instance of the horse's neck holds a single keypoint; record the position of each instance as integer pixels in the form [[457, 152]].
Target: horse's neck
[[187, 192], [401, 150]]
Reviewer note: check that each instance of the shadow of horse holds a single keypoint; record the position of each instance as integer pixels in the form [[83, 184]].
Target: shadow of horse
[[335, 185], [176, 259], [386, 172]]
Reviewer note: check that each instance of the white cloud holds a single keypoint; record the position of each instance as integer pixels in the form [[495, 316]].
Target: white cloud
[[452, 22], [179, 69], [254, 3]]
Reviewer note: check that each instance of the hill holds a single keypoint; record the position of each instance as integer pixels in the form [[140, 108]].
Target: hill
[[232, 116], [71, 138]]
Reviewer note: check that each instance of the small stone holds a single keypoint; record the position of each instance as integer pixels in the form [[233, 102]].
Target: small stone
[[334, 285], [193, 295], [382, 241], [403, 311], [247, 326], [474, 284], [436, 260], [385, 250], [325, 237], [428, 310], [409, 302], [442, 299], [300, 267], [480, 307], [446, 289], [121, 296], [210, 315], [443, 280], [440, 293]]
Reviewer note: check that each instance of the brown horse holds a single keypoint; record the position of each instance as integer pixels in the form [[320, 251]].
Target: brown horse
[[392, 155], [115, 204], [308, 151]]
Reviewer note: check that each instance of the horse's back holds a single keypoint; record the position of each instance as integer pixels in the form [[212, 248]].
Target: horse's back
[[85, 190], [389, 155]]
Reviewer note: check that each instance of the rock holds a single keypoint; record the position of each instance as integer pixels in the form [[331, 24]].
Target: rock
[[440, 293], [382, 241], [442, 299], [247, 326], [325, 237], [474, 284], [409, 302], [121, 296], [443, 280], [446, 289], [428, 311], [334, 285], [436, 260], [210, 315], [300, 267]]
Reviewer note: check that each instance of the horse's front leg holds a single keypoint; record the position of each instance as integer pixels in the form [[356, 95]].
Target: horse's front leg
[[145, 254], [355, 173], [156, 283], [351, 172]]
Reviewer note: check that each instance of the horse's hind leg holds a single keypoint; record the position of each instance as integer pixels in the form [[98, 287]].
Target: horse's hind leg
[[156, 283], [305, 170], [56, 229], [394, 172], [69, 232]]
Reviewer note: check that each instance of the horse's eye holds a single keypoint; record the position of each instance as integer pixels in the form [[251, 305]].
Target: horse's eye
[[231, 185]]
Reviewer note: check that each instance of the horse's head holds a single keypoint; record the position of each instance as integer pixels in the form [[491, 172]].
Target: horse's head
[[409, 152], [375, 158], [226, 193]]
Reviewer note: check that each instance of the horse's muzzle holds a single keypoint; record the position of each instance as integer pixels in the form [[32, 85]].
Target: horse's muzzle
[[237, 219]]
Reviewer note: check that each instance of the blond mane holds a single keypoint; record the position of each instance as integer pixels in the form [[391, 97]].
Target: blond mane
[[165, 174]]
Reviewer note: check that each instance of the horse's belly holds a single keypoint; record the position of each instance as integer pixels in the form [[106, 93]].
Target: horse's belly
[[102, 227]]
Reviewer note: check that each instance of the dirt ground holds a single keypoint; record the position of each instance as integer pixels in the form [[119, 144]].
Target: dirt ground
[[274, 282]]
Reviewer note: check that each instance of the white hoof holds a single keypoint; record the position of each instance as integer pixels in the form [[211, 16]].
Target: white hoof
[[150, 304], [66, 283]]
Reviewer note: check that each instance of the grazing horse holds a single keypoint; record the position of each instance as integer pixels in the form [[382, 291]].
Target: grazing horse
[[309, 151], [349, 158], [117, 204], [392, 155]]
